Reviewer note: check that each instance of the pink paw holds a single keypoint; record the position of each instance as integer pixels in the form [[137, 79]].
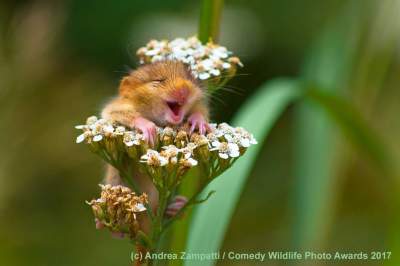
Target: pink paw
[[177, 203], [100, 225], [147, 128], [117, 235], [197, 121]]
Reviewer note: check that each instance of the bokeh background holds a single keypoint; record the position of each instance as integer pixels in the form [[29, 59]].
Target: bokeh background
[[61, 60]]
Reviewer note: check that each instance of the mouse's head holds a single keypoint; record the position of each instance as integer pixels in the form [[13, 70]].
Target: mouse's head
[[163, 92]]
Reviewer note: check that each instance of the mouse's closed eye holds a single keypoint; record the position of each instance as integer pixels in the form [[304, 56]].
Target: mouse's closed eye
[[159, 80]]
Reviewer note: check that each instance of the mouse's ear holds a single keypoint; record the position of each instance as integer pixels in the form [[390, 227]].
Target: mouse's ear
[[126, 86]]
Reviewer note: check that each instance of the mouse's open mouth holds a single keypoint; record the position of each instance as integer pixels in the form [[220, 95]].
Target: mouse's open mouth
[[175, 107], [176, 114]]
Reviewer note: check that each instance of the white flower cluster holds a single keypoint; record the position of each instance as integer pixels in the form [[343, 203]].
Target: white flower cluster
[[175, 145], [97, 129], [171, 154], [205, 61], [233, 138]]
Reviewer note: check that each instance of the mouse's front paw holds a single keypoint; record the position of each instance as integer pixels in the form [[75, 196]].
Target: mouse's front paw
[[147, 128], [174, 207], [197, 121], [100, 225]]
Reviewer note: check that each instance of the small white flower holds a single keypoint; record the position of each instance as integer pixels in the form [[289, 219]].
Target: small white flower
[[170, 153], [204, 75], [91, 120], [212, 126], [245, 142], [83, 136], [157, 58], [139, 207], [108, 130], [171, 150], [233, 150], [119, 130], [81, 127], [178, 54], [225, 149], [226, 65], [97, 138], [167, 131], [246, 139], [100, 200], [220, 52], [235, 60], [238, 139], [207, 64], [189, 162], [192, 161], [178, 42], [80, 138], [152, 52], [153, 158], [130, 138], [200, 140], [212, 137], [215, 72], [188, 150], [224, 129]]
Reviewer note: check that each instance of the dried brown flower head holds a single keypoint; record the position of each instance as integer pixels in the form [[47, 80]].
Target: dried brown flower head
[[117, 209]]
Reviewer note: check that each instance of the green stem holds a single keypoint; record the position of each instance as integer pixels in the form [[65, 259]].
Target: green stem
[[190, 202], [210, 17], [157, 226]]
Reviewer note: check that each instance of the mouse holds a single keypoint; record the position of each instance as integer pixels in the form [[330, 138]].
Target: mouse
[[163, 93]]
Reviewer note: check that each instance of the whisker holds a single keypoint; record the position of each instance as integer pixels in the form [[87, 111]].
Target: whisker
[[240, 93], [214, 98], [231, 76], [234, 88]]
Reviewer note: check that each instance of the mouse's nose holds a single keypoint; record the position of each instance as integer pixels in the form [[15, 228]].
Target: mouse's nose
[[181, 95], [181, 90]]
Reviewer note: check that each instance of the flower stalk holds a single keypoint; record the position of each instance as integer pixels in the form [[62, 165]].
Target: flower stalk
[[166, 164], [210, 16]]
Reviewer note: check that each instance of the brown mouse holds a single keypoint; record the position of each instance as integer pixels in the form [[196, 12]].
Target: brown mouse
[[157, 94]]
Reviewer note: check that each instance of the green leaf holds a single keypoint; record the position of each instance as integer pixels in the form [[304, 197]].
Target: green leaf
[[354, 126], [211, 220], [205, 199], [319, 118], [210, 17], [328, 64]]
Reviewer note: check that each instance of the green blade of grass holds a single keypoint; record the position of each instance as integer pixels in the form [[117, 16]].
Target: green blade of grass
[[210, 17], [354, 126], [258, 115], [321, 114], [316, 141]]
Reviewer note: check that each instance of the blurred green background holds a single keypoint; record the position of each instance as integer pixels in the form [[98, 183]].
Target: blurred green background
[[311, 186]]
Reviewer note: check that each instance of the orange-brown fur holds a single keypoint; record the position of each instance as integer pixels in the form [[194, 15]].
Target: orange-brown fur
[[143, 94]]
